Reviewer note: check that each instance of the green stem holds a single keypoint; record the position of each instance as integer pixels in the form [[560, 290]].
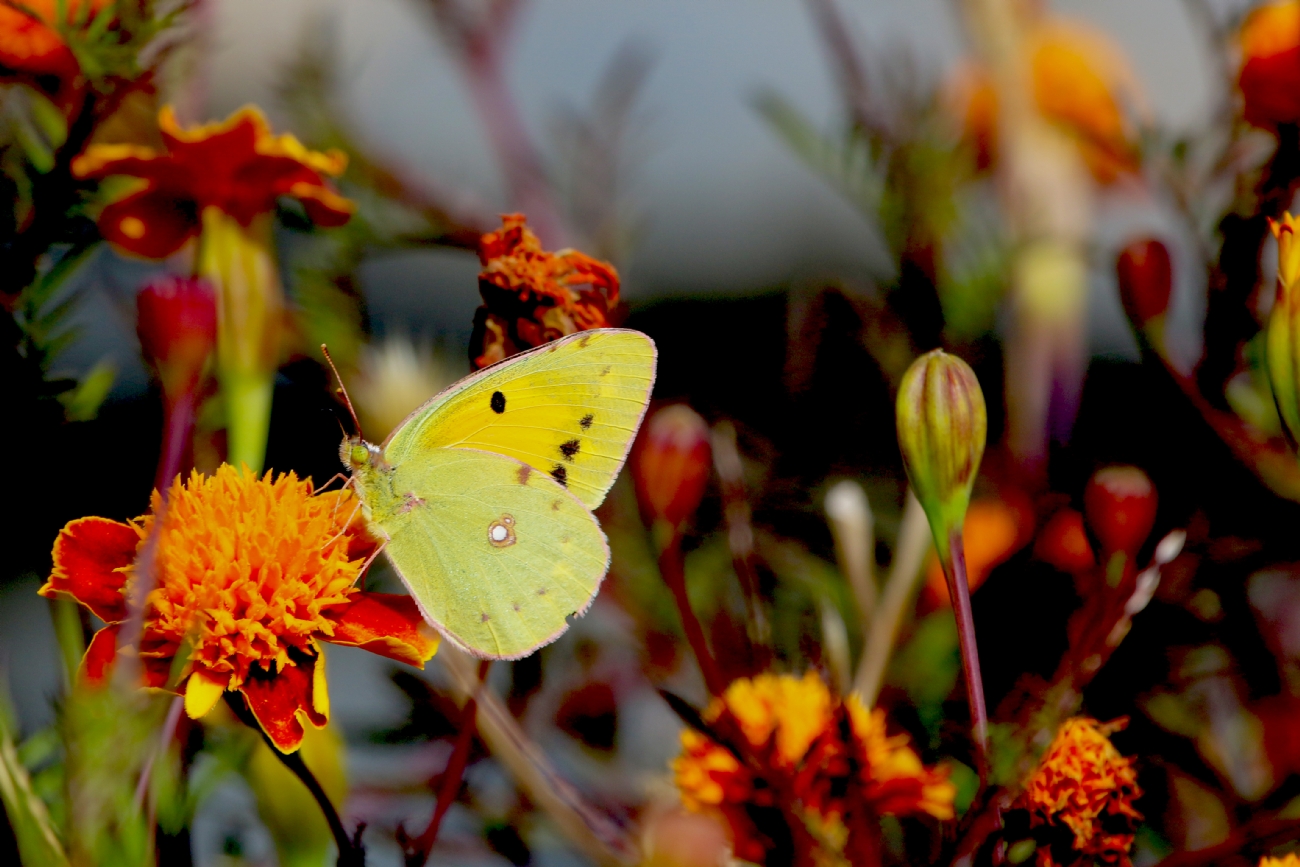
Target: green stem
[[248, 416], [959, 591], [70, 634]]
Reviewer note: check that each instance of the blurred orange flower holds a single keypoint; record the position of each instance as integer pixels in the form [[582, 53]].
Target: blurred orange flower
[[251, 574], [1270, 64], [236, 166], [1081, 82], [993, 531], [800, 748], [1290, 859], [532, 296], [33, 52], [1083, 783]]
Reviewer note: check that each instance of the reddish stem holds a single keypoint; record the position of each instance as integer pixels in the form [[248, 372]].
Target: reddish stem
[[673, 569], [417, 850], [959, 591], [178, 438]]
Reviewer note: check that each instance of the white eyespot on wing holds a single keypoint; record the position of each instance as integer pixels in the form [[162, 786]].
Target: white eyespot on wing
[[501, 532]]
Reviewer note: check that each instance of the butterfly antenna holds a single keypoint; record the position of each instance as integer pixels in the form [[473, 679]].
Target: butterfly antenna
[[343, 392]]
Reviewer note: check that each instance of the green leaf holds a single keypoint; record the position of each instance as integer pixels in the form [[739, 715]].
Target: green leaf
[[83, 402], [38, 842]]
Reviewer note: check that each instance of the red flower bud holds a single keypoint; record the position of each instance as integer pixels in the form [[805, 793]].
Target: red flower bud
[[1120, 503], [1064, 543], [1145, 279], [671, 465], [178, 327]]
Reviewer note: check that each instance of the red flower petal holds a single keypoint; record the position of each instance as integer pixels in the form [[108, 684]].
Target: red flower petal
[[90, 558], [152, 224], [98, 661], [388, 624], [277, 699]]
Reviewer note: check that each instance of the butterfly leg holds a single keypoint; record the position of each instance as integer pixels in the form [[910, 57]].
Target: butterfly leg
[[330, 481], [346, 524]]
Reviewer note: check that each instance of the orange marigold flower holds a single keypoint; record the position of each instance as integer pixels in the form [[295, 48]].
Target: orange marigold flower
[[1083, 783], [1270, 64], [993, 530], [1290, 859], [532, 296], [1080, 81], [236, 166], [251, 573]]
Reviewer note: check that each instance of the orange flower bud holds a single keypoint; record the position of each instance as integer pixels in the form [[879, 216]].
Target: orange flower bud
[[177, 325], [1120, 502], [671, 465], [1145, 279], [1283, 330], [1063, 543], [1270, 64]]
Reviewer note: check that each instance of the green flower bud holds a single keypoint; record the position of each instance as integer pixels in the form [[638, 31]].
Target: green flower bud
[[1282, 349], [941, 427]]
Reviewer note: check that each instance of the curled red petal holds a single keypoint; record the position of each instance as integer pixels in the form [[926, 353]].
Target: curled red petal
[[152, 224], [90, 558], [276, 700], [324, 206], [388, 624], [97, 664]]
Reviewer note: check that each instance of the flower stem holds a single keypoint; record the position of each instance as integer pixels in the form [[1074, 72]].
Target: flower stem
[[673, 569], [959, 591], [351, 852], [248, 414], [178, 432], [416, 851]]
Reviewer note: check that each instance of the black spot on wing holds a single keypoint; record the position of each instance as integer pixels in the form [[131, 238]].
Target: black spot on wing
[[586, 421], [570, 449], [560, 474], [498, 402]]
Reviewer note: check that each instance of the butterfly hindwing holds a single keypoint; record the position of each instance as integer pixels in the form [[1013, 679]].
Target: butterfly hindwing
[[568, 409], [497, 554]]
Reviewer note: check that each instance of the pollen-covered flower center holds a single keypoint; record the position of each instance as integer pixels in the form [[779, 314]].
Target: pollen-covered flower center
[[247, 571]]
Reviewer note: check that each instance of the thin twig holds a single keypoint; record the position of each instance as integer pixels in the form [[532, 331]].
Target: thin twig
[[594, 833], [853, 527], [740, 536], [904, 575], [417, 850]]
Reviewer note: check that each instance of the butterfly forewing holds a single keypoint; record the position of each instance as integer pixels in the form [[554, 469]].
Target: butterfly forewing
[[568, 409], [496, 554]]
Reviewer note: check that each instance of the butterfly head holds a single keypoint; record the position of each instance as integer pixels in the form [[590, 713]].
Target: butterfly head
[[356, 453]]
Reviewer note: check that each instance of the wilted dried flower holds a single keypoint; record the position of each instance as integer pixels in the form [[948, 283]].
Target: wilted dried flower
[[532, 296]]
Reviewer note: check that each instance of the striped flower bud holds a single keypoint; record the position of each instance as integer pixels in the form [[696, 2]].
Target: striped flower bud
[[942, 423], [1283, 338]]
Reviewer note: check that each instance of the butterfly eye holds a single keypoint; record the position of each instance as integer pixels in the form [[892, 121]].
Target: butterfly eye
[[501, 533]]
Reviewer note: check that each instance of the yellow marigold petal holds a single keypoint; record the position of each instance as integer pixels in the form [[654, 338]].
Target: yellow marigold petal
[[203, 691], [98, 159], [320, 696]]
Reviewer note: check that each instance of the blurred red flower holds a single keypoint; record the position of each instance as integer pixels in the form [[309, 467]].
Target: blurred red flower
[[1270, 64]]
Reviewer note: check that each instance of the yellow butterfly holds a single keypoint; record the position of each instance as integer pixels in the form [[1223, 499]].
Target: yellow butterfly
[[483, 496]]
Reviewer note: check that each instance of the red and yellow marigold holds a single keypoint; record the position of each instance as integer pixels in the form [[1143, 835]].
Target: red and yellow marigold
[[236, 166], [532, 296], [33, 52], [1084, 784], [251, 574], [793, 748]]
